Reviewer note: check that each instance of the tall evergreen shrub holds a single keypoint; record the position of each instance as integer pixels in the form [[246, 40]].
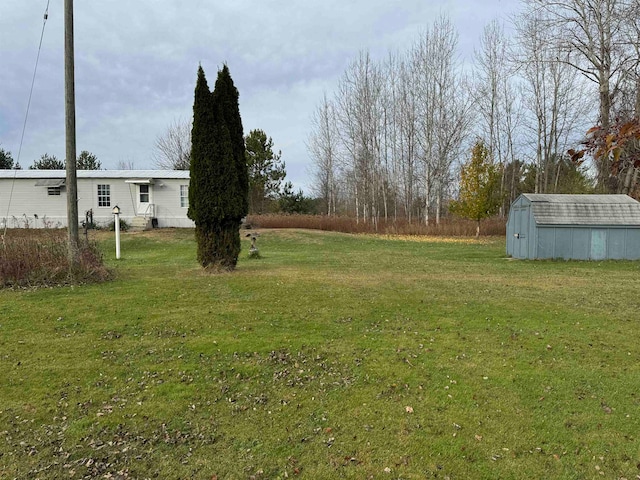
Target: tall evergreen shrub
[[218, 188]]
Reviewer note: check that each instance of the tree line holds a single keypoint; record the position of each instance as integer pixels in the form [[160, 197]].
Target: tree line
[[85, 161], [392, 138]]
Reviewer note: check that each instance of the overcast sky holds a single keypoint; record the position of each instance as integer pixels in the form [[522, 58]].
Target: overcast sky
[[136, 64]]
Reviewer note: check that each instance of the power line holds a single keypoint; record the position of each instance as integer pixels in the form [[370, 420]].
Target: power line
[[26, 116], [33, 80]]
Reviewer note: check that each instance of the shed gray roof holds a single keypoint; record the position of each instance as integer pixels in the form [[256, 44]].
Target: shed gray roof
[[554, 209], [20, 174]]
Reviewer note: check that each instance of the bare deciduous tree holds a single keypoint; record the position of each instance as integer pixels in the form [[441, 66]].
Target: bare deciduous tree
[[444, 110], [324, 149], [173, 149], [497, 104], [491, 75], [359, 116], [125, 164], [398, 129], [406, 139], [391, 138], [555, 97], [595, 37]]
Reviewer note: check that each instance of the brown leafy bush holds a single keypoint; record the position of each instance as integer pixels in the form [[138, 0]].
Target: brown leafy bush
[[448, 227], [39, 258]]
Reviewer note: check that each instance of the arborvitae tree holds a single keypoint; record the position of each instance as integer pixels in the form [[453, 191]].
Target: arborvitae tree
[[218, 187]]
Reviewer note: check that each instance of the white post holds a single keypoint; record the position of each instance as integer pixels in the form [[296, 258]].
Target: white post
[[116, 214]]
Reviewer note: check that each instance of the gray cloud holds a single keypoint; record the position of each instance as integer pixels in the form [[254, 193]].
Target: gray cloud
[[136, 65]]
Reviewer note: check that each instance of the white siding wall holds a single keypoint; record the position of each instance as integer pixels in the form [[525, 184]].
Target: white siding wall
[[166, 196], [28, 201]]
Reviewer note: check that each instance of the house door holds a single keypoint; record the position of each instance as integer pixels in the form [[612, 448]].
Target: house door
[[143, 192]]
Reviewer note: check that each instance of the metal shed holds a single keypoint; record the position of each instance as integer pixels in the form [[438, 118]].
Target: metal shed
[[578, 227]]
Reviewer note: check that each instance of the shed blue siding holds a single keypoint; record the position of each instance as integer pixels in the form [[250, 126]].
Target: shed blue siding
[[580, 243], [546, 242], [563, 243], [578, 237], [616, 244], [633, 243]]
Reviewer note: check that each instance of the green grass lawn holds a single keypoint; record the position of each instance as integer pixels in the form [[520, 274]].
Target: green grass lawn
[[332, 356]]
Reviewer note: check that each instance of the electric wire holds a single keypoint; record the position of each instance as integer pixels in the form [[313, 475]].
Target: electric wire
[[26, 117]]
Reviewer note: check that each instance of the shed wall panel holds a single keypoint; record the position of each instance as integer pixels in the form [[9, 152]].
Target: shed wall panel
[[632, 243], [563, 244], [580, 241], [546, 240], [616, 243]]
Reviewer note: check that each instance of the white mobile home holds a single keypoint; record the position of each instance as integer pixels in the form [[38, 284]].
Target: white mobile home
[[37, 198]]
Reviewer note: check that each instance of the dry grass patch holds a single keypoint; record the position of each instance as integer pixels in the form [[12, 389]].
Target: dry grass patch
[[33, 258], [450, 226], [440, 239]]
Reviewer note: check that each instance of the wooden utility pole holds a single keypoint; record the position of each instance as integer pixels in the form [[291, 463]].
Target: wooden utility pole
[[70, 131]]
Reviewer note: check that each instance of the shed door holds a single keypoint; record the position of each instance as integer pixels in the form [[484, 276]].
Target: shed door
[[521, 242], [598, 244]]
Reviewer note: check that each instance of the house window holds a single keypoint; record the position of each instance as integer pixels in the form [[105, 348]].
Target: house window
[[53, 191], [184, 196], [144, 193], [104, 195]]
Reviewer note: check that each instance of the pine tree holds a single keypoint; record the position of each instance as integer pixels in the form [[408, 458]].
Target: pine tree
[[479, 187], [88, 161], [218, 189], [47, 162], [266, 170], [6, 160]]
